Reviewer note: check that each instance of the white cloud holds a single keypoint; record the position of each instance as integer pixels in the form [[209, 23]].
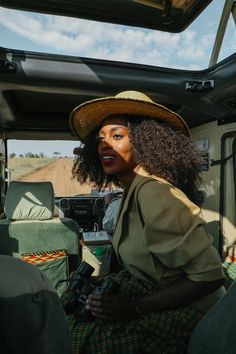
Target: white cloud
[[106, 41], [194, 48]]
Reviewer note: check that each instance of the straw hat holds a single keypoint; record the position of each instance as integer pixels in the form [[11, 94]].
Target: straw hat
[[89, 115]]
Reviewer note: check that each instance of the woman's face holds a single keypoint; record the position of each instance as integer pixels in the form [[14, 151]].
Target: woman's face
[[115, 149]]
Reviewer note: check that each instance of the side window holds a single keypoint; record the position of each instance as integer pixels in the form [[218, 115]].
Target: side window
[[2, 174], [234, 175], [227, 208]]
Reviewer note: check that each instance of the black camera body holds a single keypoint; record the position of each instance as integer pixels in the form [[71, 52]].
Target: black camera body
[[81, 286]]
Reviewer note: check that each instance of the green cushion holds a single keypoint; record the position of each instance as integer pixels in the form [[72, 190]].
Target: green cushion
[[57, 272], [29, 201]]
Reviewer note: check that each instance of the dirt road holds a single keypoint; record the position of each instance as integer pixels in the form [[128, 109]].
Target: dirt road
[[59, 173]]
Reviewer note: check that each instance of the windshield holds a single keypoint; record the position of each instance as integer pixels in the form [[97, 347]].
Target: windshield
[[189, 50], [37, 161]]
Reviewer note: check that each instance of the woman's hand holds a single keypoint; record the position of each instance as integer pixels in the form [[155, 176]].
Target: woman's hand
[[110, 307]]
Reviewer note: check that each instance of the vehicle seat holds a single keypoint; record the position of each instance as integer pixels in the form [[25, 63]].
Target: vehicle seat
[[32, 318], [215, 332], [29, 230]]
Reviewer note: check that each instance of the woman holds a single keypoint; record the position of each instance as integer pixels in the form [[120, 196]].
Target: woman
[[172, 274]]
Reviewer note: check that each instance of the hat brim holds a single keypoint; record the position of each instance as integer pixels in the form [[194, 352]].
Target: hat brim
[[85, 118]]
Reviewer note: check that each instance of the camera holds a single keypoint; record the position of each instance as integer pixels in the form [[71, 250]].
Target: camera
[[81, 286]]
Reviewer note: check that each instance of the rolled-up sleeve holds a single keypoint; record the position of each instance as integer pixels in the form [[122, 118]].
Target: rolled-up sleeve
[[174, 232]]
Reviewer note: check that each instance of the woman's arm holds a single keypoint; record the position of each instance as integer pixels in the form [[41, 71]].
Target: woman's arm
[[180, 293]]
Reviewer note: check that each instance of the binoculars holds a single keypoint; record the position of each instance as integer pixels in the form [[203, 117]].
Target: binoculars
[[81, 286]]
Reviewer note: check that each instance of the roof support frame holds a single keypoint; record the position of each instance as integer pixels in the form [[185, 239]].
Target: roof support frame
[[234, 12], [229, 7]]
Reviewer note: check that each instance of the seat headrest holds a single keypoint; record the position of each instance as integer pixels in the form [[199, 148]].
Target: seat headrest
[[29, 201]]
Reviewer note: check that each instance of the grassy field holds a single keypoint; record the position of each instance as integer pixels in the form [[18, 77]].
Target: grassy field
[[22, 166]]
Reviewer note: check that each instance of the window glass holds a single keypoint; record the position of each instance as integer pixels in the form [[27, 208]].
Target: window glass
[[2, 174], [190, 49], [36, 161]]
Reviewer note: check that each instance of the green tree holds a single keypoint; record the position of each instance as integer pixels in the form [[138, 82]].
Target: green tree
[[56, 153], [29, 154]]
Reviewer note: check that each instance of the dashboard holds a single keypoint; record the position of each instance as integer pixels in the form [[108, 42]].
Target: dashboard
[[87, 210]]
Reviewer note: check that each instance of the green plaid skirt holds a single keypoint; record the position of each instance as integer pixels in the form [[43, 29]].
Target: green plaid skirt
[[165, 332]]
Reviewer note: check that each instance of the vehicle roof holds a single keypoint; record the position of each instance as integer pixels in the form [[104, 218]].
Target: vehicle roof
[[38, 90]]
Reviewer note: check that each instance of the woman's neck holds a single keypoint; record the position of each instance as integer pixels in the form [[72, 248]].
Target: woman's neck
[[127, 179]]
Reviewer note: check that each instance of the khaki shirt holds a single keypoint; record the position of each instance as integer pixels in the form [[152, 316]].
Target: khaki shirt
[[159, 235]]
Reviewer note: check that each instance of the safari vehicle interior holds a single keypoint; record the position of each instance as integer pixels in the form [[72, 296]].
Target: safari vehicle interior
[[38, 90]]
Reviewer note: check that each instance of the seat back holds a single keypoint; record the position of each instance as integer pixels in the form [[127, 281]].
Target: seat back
[[32, 318], [215, 332], [29, 230]]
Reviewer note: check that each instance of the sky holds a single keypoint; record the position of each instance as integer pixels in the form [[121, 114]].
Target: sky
[[189, 50], [63, 35]]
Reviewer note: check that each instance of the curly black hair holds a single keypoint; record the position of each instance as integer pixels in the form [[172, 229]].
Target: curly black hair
[[158, 147]]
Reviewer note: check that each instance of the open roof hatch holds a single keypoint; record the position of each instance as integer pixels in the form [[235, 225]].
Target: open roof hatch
[[163, 15]]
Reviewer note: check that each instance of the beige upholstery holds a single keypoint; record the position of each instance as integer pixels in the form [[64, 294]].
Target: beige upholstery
[[29, 201]]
